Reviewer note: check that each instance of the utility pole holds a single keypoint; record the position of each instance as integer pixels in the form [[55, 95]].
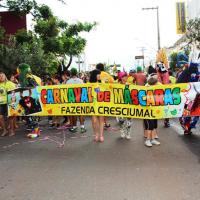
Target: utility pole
[[158, 24], [79, 62], [142, 57], [142, 49]]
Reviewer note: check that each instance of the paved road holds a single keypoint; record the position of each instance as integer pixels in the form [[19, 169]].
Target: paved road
[[115, 170]]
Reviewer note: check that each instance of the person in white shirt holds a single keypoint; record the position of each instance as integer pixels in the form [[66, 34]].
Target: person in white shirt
[[75, 80]]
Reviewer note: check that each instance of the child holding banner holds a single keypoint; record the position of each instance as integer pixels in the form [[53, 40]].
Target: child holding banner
[[150, 125], [125, 122], [97, 121]]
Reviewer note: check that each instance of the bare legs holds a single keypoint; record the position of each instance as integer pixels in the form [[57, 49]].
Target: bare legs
[[12, 124], [98, 128], [2, 124], [151, 134]]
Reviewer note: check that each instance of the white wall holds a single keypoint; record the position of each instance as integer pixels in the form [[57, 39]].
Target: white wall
[[193, 9]]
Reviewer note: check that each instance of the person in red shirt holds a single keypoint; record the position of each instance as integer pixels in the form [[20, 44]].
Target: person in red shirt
[[140, 77]]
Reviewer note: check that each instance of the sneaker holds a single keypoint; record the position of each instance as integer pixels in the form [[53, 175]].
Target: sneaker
[[83, 130], [128, 133], [128, 137], [123, 134], [73, 130], [155, 142], [148, 143]]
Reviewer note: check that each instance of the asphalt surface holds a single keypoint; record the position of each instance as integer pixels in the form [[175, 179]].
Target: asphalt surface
[[63, 166]]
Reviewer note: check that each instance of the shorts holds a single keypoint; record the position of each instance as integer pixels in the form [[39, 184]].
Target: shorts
[[3, 109], [150, 124]]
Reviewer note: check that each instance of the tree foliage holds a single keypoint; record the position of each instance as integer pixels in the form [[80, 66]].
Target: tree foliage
[[21, 6], [58, 36], [50, 39], [2, 32], [14, 53]]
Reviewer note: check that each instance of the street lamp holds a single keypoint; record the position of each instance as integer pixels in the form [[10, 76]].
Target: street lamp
[[158, 26]]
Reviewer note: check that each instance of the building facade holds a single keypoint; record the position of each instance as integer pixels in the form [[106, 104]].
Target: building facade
[[12, 22]]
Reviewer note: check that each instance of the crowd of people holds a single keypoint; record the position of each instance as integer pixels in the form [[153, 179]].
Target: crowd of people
[[159, 74]]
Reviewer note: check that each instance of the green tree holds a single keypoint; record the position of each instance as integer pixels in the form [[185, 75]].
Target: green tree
[[2, 32], [21, 6], [13, 53], [51, 38], [58, 36]]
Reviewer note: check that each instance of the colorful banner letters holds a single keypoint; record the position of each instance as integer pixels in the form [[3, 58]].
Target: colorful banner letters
[[155, 102]]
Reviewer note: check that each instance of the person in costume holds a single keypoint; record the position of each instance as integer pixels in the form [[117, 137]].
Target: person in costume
[[125, 123], [27, 79], [163, 77], [188, 75], [162, 67]]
